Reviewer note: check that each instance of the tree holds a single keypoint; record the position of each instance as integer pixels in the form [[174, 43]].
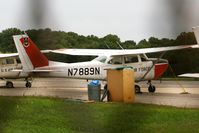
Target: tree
[[112, 41], [186, 38], [129, 44], [143, 44], [6, 40]]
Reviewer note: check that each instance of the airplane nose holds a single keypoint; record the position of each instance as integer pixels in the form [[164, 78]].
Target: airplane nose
[[160, 68]]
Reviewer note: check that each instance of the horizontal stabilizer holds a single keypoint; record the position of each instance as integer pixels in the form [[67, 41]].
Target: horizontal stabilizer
[[20, 70]]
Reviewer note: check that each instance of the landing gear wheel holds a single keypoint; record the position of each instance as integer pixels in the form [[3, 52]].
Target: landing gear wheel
[[9, 84], [151, 88], [28, 84], [137, 89]]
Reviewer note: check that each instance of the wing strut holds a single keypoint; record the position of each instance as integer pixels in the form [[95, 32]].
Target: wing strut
[[107, 45], [120, 45]]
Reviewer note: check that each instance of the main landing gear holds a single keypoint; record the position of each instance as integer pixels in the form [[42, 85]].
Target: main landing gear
[[9, 84], [137, 89], [28, 83], [151, 88]]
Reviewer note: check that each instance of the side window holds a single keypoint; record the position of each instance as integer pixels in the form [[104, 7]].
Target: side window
[[10, 61], [3, 62], [116, 60], [131, 59], [7, 61]]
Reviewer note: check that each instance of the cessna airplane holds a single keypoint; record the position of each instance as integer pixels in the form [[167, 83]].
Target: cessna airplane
[[36, 64]]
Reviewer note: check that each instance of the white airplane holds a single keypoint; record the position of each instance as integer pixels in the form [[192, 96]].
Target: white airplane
[[36, 64], [8, 64], [193, 75]]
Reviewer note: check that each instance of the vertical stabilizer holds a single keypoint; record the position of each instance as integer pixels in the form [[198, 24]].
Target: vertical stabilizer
[[196, 32], [29, 54]]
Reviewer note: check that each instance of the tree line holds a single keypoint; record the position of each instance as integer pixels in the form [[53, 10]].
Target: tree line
[[181, 61]]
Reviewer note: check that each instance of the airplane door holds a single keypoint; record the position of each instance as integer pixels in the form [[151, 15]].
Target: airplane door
[[133, 61], [145, 71], [140, 64]]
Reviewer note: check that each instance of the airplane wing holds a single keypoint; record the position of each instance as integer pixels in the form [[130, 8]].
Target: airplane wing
[[117, 52], [7, 55], [190, 75], [15, 55]]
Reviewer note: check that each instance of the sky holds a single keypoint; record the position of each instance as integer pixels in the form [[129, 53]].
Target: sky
[[128, 19]]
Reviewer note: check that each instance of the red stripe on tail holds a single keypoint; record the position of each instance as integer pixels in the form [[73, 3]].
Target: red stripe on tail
[[34, 54]]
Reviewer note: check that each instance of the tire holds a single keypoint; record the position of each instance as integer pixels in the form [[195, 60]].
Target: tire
[[9, 84], [151, 88], [137, 89], [28, 85]]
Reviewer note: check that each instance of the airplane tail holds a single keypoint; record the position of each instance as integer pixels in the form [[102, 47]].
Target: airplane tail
[[29, 54], [196, 32]]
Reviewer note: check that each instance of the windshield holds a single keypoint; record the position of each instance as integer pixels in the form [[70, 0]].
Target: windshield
[[101, 59]]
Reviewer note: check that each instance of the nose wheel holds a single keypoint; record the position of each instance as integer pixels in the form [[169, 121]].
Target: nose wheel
[[137, 89], [9, 84], [151, 87], [28, 84]]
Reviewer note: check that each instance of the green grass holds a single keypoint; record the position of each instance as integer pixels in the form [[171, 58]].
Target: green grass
[[50, 115]]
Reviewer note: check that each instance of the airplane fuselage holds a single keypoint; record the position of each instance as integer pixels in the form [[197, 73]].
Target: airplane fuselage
[[97, 70], [8, 67]]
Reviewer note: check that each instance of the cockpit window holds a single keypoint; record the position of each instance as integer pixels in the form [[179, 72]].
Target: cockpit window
[[131, 59], [101, 59], [116, 60]]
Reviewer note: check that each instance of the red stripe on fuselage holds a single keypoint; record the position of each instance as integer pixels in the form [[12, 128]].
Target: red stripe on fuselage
[[36, 57], [160, 69]]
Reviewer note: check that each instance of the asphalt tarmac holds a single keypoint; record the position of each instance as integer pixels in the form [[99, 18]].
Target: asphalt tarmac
[[167, 92]]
